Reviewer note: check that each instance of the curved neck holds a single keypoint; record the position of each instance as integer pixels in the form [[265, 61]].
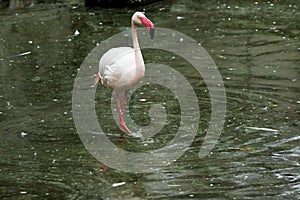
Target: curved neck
[[139, 61]]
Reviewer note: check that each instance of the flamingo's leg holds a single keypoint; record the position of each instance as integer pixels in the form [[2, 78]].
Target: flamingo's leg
[[121, 121], [97, 79], [124, 101]]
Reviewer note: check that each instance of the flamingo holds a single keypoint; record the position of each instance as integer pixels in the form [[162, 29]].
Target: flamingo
[[123, 67]]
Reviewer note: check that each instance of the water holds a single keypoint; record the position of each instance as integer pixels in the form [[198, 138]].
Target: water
[[256, 48]]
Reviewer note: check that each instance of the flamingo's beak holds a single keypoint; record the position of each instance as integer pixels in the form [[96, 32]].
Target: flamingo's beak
[[149, 25]]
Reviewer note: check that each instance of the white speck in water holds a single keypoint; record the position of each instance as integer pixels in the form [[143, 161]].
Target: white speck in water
[[179, 17], [55, 100], [70, 40], [118, 184], [181, 39], [142, 100], [23, 192], [298, 102], [23, 134], [265, 108], [76, 32], [197, 29], [30, 42], [53, 161]]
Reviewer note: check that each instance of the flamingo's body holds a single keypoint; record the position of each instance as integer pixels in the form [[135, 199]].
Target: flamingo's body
[[118, 62], [123, 67]]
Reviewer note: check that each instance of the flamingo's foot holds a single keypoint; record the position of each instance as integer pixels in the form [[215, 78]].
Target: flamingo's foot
[[124, 128]]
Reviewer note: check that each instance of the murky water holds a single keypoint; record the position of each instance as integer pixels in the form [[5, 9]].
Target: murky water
[[256, 48]]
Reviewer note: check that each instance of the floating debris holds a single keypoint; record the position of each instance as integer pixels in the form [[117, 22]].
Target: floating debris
[[261, 129], [76, 32], [23, 134], [118, 184], [37, 78], [21, 54], [179, 17]]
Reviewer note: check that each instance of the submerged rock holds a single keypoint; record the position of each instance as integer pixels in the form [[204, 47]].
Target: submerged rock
[[13, 4]]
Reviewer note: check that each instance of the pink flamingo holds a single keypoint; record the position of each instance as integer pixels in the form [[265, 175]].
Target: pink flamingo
[[123, 67]]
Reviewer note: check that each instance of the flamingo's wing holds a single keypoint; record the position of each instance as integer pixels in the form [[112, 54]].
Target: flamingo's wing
[[115, 63]]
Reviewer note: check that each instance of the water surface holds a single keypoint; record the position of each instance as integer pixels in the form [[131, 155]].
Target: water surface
[[256, 48]]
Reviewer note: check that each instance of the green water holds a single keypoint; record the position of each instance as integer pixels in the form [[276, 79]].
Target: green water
[[256, 48]]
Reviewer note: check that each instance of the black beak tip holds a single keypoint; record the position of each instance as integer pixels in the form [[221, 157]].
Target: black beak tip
[[151, 33]]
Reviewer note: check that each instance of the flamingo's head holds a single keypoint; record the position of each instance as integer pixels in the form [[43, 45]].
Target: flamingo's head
[[141, 19]]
